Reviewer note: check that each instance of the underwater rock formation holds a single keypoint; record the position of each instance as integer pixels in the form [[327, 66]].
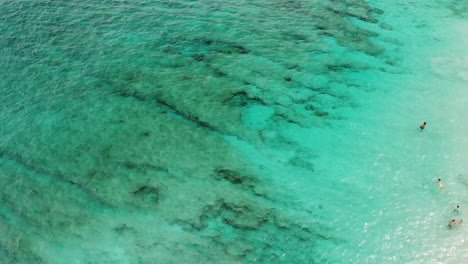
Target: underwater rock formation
[[114, 129]]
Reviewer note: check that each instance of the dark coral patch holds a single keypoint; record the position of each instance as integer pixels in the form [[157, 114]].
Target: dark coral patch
[[231, 176], [147, 194]]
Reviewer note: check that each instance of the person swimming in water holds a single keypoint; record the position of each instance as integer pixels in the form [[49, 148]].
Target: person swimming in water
[[422, 126], [453, 222], [441, 186], [457, 209]]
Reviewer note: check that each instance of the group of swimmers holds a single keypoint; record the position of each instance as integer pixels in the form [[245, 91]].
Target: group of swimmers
[[453, 221]]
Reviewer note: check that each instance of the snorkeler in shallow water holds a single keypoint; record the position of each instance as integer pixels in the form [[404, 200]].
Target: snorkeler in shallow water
[[422, 126], [441, 186]]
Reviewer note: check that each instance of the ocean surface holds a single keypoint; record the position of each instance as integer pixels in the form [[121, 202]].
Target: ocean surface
[[229, 132]]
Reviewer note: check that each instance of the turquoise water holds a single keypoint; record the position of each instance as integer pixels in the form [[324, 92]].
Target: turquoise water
[[233, 132]]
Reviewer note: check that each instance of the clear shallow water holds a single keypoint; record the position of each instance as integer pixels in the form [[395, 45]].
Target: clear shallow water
[[208, 132]]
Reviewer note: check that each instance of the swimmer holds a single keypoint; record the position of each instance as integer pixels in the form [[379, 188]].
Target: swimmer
[[422, 126], [457, 209], [441, 186], [452, 223]]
